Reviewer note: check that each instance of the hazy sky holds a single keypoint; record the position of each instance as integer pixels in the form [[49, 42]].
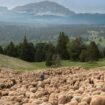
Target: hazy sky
[[90, 6]]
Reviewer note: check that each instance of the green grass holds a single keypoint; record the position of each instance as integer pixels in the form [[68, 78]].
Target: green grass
[[17, 64], [14, 63], [87, 65]]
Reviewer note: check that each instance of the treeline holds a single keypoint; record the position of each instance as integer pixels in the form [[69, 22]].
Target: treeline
[[65, 49]]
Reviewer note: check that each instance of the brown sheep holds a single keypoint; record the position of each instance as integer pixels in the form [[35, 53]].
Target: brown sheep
[[98, 100]]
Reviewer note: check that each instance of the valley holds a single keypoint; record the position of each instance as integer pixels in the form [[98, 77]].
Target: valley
[[16, 33]]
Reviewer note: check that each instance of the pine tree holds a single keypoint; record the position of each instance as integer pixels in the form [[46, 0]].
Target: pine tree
[[83, 56], [31, 52], [1, 50], [50, 49], [39, 54], [56, 60], [74, 48], [11, 50], [93, 52], [27, 50], [53, 60], [49, 59], [49, 54], [62, 46]]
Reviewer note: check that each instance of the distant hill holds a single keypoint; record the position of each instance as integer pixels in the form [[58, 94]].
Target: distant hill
[[47, 13], [3, 9], [44, 8], [58, 14]]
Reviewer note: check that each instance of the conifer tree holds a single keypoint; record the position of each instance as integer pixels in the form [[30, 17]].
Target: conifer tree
[[1, 50], [40, 52], [62, 46], [74, 48], [93, 51], [11, 50], [27, 50]]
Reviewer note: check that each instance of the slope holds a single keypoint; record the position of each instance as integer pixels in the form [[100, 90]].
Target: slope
[[9, 63], [14, 63]]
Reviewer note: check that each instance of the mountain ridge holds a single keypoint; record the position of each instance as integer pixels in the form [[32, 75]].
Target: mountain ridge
[[43, 7], [3, 9], [16, 8], [46, 13]]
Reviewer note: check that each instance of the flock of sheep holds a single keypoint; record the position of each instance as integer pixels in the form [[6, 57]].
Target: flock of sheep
[[62, 86]]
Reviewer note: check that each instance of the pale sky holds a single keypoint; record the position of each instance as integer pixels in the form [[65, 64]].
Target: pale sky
[[86, 6]]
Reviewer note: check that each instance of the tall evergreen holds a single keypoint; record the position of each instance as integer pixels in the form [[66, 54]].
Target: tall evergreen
[[84, 56], [40, 51], [50, 49], [74, 48], [56, 60], [49, 59], [31, 52], [11, 50], [1, 50], [53, 60], [93, 51], [49, 55], [62, 46], [27, 50]]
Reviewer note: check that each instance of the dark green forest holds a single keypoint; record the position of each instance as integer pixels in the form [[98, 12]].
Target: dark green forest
[[64, 49]]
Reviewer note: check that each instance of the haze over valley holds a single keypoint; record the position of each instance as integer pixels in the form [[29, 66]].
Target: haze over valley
[[47, 13], [44, 20]]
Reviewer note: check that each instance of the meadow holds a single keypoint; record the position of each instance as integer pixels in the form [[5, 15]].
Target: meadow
[[20, 65]]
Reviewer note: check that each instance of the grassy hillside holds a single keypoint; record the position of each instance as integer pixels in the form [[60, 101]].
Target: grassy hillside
[[87, 65], [17, 64], [14, 63]]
